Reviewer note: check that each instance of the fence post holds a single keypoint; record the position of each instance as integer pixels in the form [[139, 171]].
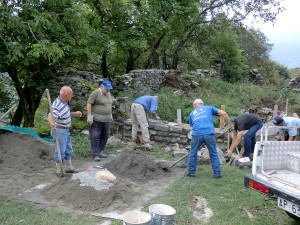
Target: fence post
[[179, 116], [221, 118]]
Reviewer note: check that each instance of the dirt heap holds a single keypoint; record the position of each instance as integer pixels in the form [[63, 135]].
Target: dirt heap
[[136, 166], [132, 169], [27, 162], [24, 153]]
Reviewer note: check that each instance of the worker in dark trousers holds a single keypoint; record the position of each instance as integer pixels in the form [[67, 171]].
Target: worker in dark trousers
[[245, 122]]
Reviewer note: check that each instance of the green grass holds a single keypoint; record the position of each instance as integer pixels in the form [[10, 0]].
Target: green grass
[[14, 213], [226, 197]]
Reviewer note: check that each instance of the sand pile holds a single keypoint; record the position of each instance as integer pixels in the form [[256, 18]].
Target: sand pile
[[136, 166], [22, 152], [131, 169]]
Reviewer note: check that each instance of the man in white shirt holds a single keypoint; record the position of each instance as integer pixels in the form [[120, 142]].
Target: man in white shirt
[[287, 134]]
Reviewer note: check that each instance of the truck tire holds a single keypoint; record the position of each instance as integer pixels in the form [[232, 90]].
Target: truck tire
[[293, 216]]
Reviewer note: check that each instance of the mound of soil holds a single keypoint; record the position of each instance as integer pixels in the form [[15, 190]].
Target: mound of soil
[[27, 162], [22, 152], [136, 166], [133, 169], [85, 198]]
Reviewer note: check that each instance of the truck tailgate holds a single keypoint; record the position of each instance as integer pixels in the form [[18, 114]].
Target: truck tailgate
[[273, 187]]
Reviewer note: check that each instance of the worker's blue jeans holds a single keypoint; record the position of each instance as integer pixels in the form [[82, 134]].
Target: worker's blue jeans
[[99, 133], [210, 142], [250, 139], [65, 144]]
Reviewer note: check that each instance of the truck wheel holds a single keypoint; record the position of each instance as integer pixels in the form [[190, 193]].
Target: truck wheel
[[293, 216]]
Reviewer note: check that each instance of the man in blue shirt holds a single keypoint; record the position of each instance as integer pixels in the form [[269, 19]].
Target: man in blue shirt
[[203, 132], [287, 134], [141, 106]]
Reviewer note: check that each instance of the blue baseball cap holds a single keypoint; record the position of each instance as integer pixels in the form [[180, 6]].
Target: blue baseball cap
[[107, 84], [277, 120]]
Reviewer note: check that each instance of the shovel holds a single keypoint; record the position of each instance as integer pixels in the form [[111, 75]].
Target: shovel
[[8, 111], [55, 135], [187, 154]]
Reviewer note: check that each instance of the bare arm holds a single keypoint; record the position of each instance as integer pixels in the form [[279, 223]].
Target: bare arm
[[51, 121], [236, 139], [89, 108], [225, 116]]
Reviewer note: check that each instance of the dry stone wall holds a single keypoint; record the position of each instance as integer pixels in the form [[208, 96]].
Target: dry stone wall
[[162, 131]]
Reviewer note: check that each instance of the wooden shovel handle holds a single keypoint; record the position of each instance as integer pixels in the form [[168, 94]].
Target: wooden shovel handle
[[7, 112], [183, 157], [55, 134]]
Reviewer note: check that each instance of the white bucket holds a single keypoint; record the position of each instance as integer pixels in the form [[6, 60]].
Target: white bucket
[[137, 217], [162, 214]]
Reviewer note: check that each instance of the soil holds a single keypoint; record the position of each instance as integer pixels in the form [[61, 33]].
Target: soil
[[27, 173]]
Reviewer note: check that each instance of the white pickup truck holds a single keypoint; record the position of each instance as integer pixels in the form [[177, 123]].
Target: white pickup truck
[[276, 172]]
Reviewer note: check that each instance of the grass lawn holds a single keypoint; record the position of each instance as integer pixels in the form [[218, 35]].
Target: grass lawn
[[229, 200]]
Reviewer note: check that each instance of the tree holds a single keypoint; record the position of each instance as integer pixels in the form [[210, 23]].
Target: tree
[[37, 39]]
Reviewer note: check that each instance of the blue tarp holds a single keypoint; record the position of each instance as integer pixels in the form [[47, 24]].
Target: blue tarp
[[24, 131]]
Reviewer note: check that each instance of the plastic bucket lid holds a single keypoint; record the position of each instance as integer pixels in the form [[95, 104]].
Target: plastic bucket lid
[[137, 217]]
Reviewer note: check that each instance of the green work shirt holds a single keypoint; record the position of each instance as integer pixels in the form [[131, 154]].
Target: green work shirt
[[101, 106]]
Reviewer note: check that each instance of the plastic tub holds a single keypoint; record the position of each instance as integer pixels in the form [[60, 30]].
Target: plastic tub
[[137, 218]]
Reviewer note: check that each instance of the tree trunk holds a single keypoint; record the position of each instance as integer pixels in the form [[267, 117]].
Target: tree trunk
[[164, 60], [18, 116], [130, 61], [153, 60], [104, 66], [29, 100], [175, 60]]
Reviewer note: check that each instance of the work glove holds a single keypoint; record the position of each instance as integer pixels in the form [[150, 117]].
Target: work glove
[[111, 118], [90, 119], [157, 117]]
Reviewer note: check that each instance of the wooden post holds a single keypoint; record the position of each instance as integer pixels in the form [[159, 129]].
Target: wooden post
[[275, 111], [286, 107], [179, 116], [221, 118]]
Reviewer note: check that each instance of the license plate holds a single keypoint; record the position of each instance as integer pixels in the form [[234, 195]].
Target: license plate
[[288, 206]]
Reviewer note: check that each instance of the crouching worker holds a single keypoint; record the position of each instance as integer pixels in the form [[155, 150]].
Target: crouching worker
[[61, 122], [292, 124]]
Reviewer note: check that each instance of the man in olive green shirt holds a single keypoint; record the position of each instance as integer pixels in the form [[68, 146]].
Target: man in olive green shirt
[[99, 110]]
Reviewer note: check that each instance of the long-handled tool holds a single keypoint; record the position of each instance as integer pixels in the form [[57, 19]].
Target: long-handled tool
[[7, 112], [187, 154], [55, 135]]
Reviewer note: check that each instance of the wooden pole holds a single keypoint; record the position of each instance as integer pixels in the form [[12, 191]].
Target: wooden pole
[[275, 111], [7, 112], [221, 118], [55, 135], [286, 107], [179, 116]]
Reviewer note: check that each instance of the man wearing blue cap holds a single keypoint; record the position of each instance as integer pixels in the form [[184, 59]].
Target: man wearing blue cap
[[288, 134], [99, 117]]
